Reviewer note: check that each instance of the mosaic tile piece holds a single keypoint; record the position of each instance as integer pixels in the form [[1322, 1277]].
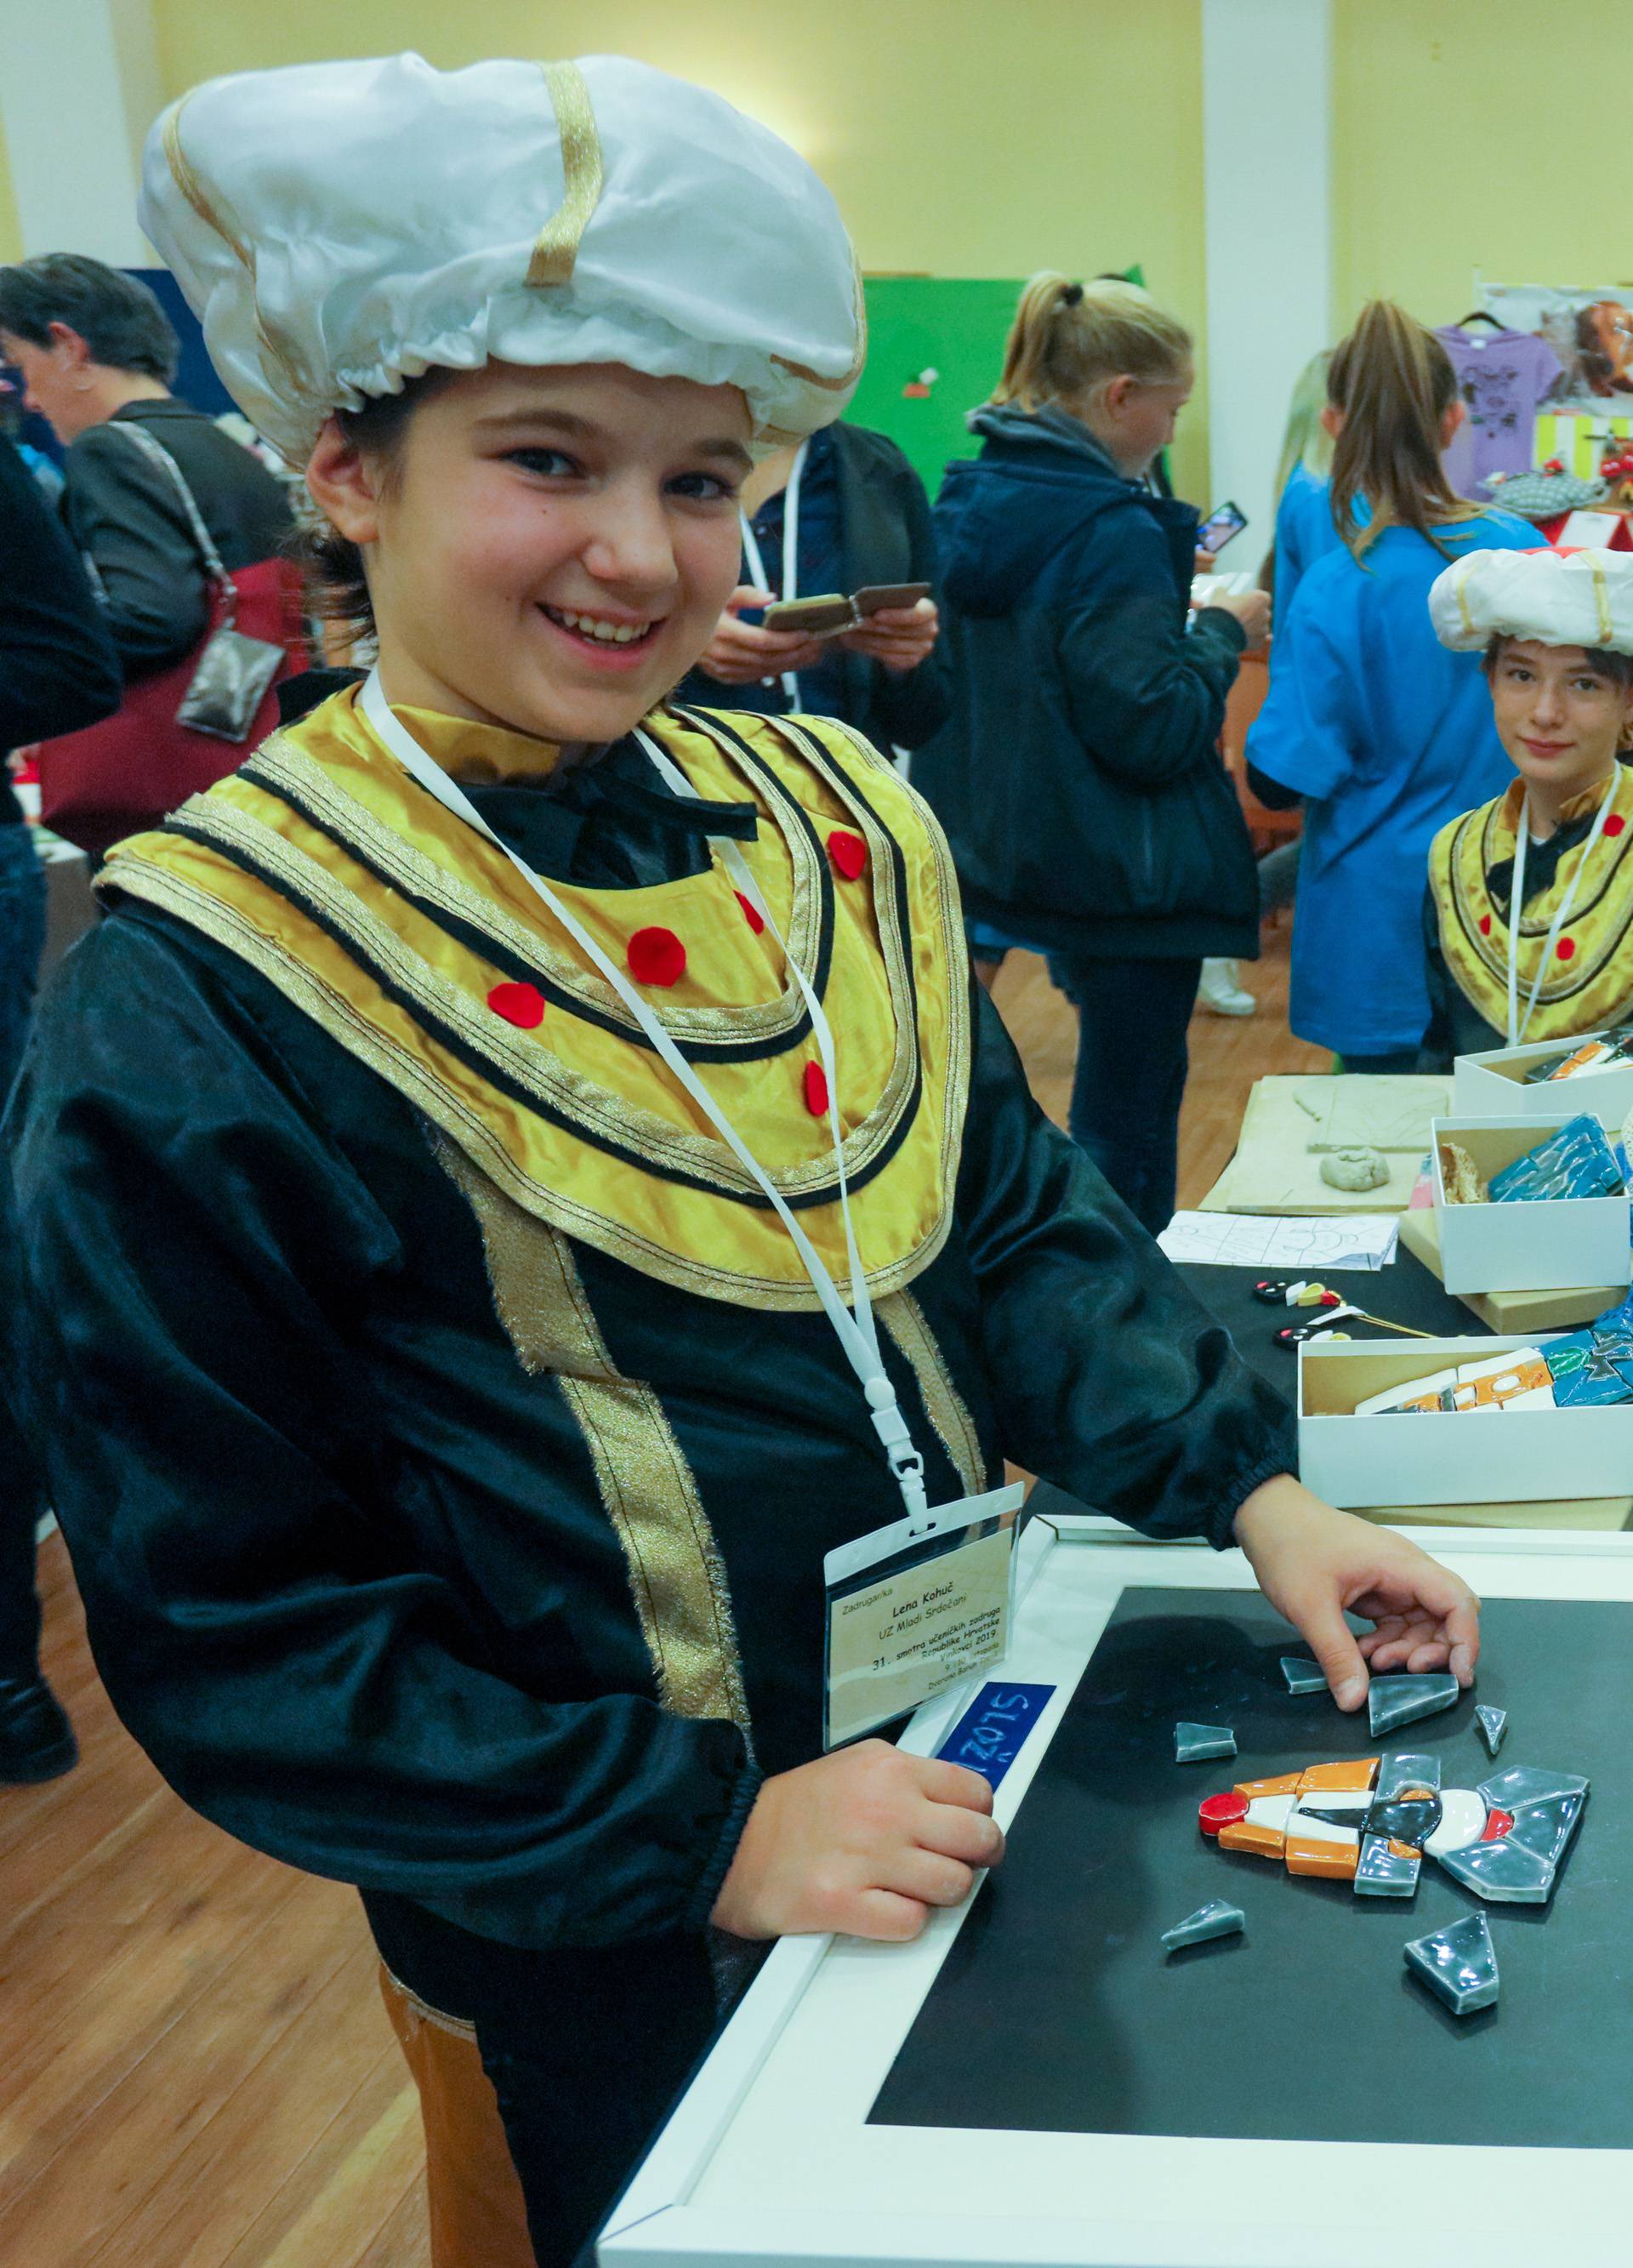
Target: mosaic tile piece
[[1192, 1743], [1393, 1701], [1217, 1918], [1458, 1963], [1493, 1725], [1404, 1770], [1303, 1676], [1383, 1871]]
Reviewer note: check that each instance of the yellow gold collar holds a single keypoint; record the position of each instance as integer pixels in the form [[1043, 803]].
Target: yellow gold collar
[[490, 755]]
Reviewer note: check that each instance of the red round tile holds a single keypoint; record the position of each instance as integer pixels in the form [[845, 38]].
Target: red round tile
[[1567, 947], [1217, 1811], [816, 1090], [750, 913], [849, 853], [1615, 824], [518, 1004], [656, 956]]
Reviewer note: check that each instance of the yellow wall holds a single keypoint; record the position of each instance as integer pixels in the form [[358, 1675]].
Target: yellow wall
[[959, 139], [1477, 137], [11, 233]]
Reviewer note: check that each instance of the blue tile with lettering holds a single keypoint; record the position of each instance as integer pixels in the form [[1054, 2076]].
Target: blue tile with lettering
[[988, 1736]]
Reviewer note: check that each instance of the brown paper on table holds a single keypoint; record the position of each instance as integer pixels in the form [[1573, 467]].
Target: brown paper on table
[[1291, 1123]]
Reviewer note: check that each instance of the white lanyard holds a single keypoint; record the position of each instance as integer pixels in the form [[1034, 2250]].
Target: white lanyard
[[857, 1332], [790, 556], [1517, 906]]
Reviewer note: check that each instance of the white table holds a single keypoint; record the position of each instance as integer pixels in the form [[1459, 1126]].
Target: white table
[[769, 2159]]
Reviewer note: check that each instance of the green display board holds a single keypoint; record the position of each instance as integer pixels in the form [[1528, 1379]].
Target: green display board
[[955, 325]]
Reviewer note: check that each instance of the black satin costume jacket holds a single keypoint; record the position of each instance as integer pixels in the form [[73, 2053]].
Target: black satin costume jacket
[[350, 1571]]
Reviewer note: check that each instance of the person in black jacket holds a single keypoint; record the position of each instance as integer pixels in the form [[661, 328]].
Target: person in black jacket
[[860, 518], [97, 351], [1078, 777], [58, 671]]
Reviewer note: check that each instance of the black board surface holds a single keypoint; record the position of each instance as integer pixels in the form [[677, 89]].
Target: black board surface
[[1057, 2011]]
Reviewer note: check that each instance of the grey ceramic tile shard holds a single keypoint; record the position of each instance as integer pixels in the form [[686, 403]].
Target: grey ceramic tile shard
[[1520, 1784], [1303, 1676], [1493, 1724], [1393, 1701], [1403, 1771], [1381, 1873], [1193, 1742], [1459, 1963], [1518, 1866], [1217, 1918]]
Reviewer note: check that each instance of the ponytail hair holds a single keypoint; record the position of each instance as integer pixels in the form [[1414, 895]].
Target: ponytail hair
[[1068, 340], [1393, 382]]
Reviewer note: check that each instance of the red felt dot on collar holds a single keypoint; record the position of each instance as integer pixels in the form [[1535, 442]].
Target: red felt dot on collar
[[1615, 824], [816, 1090], [656, 956], [518, 1004], [750, 915], [847, 851], [1485, 924], [1567, 946]]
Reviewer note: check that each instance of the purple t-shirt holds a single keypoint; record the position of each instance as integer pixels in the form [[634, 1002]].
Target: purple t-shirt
[[1502, 376]]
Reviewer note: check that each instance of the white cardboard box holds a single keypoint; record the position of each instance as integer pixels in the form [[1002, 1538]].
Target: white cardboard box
[[1514, 1456], [1549, 1245], [1492, 1085]]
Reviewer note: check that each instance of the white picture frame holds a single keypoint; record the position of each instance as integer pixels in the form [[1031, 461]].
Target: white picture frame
[[768, 2159]]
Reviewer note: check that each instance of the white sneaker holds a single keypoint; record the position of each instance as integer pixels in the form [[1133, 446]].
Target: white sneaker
[[1220, 993]]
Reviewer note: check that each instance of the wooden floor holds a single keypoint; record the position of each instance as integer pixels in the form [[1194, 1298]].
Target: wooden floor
[[195, 2070]]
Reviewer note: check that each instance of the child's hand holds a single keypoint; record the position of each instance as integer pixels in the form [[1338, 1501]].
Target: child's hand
[[1314, 1564], [864, 1841]]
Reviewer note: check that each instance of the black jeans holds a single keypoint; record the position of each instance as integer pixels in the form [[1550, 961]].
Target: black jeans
[[1132, 1020], [22, 938]]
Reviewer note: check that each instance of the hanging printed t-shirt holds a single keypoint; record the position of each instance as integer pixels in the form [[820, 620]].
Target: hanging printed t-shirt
[[1502, 376]]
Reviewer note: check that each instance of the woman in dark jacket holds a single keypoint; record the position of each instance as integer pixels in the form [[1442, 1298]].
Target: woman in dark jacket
[[860, 519], [97, 351], [57, 672], [1078, 777]]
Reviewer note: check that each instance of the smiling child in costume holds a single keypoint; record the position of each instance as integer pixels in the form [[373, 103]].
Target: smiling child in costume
[[448, 1431], [1557, 631]]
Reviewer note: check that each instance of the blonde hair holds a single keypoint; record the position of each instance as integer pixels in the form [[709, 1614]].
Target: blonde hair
[[1306, 441], [1394, 383], [1068, 340]]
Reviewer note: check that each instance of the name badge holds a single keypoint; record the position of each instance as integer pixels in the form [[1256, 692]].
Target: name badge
[[914, 1607]]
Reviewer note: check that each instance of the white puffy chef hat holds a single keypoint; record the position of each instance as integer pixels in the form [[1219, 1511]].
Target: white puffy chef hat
[[1559, 597], [339, 227]]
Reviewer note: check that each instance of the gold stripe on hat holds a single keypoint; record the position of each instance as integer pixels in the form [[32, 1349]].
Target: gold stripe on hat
[[555, 248], [210, 213], [1460, 585], [1602, 597]]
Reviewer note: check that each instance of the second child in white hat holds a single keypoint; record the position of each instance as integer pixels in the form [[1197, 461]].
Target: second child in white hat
[[450, 1425], [1530, 901]]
